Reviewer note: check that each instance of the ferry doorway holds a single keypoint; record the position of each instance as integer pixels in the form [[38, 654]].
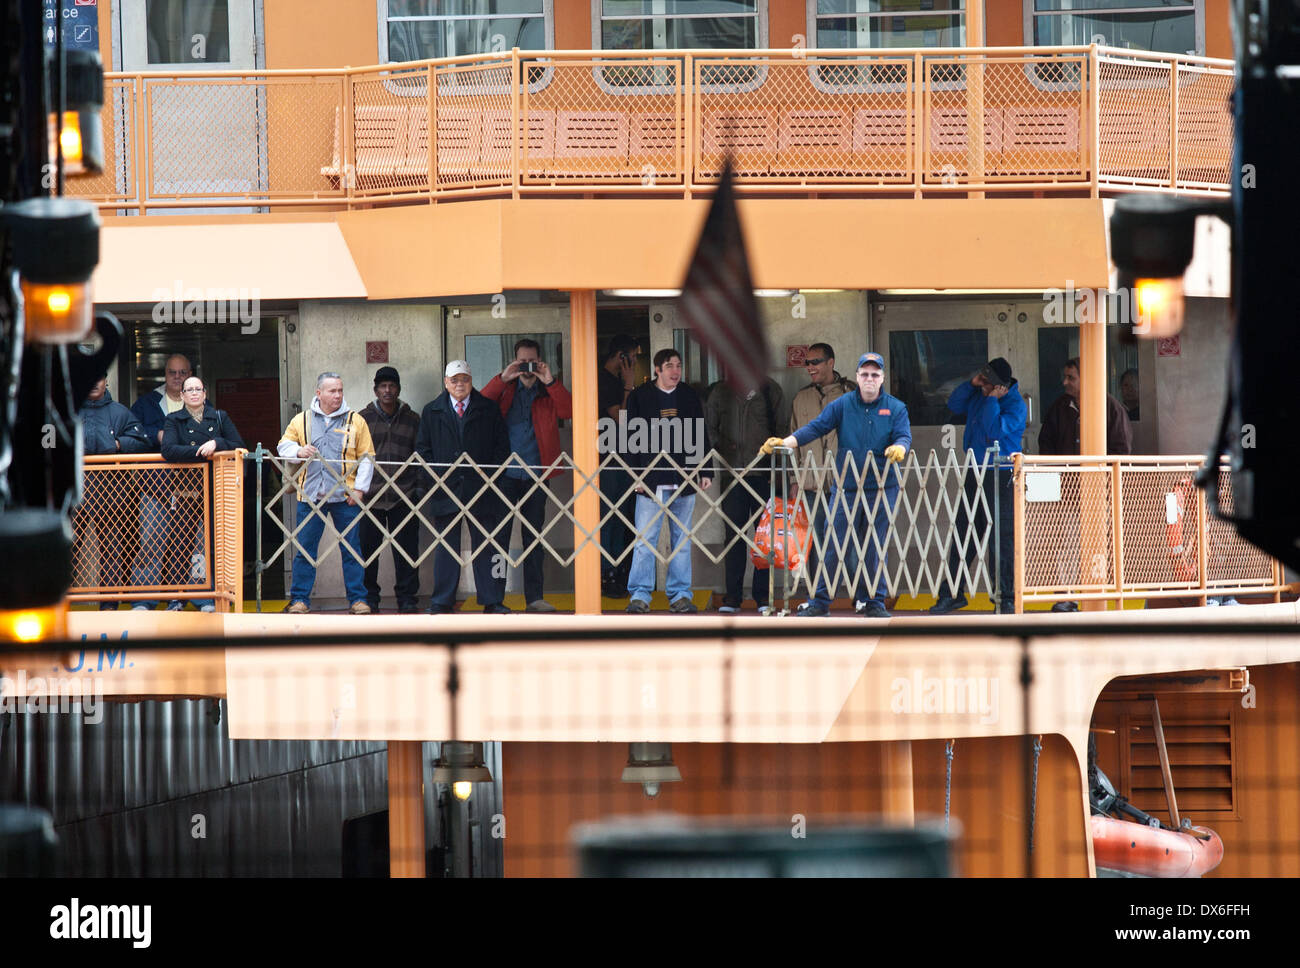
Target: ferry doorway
[[245, 371]]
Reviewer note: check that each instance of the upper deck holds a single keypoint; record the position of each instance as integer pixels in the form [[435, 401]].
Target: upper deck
[[1011, 122]]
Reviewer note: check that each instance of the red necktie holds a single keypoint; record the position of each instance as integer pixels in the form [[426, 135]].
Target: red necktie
[[460, 408]]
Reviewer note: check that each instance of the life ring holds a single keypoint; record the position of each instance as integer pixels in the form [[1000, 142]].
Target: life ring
[[1181, 551]]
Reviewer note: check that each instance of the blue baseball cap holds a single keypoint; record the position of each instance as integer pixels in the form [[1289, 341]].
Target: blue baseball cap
[[875, 358]]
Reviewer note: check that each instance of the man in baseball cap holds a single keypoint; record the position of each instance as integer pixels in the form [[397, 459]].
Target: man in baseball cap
[[874, 434], [393, 428], [461, 421]]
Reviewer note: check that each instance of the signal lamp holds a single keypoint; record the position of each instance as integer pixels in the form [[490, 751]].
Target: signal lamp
[[56, 249], [651, 764], [79, 132], [461, 765]]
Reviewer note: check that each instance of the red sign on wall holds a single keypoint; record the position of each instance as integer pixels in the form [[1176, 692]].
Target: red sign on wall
[[377, 351], [1169, 346], [795, 355]]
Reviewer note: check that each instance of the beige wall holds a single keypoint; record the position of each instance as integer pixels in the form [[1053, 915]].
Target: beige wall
[[333, 336], [1190, 387]]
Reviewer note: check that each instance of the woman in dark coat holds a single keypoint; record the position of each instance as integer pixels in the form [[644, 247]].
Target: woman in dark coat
[[194, 433]]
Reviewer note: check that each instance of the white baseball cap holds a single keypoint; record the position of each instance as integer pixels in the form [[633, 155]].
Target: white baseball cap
[[457, 366]]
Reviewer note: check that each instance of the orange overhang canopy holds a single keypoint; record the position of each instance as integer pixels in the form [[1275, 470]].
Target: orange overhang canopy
[[494, 245]]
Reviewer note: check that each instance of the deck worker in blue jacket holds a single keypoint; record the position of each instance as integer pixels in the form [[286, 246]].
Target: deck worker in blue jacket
[[995, 412], [869, 422]]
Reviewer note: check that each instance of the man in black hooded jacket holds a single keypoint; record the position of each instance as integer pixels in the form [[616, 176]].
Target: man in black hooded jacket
[[107, 427]]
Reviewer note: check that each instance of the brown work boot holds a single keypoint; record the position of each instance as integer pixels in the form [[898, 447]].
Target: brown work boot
[[359, 608], [297, 608]]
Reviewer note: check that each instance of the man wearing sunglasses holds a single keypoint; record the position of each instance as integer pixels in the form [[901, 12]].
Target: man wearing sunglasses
[[825, 386]]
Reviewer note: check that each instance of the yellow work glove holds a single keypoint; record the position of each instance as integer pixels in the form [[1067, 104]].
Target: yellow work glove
[[771, 444], [895, 453]]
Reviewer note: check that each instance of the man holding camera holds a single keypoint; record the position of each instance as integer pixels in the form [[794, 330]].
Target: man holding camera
[[533, 402], [995, 413]]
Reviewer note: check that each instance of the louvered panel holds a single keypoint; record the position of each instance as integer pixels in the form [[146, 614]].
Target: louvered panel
[[1200, 759]]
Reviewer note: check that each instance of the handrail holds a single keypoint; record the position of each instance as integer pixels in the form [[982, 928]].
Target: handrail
[[156, 529], [1148, 533], [1070, 119]]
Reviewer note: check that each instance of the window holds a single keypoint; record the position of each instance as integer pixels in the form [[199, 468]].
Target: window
[[425, 29], [1168, 25], [700, 368], [677, 25], [488, 355], [888, 23], [188, 33], [926, 365]]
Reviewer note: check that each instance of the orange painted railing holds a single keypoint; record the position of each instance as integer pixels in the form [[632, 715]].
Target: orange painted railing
[[1117, 528], [905, 122], [150, 530]]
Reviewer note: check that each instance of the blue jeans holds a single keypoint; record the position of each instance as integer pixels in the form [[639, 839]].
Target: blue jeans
[[649, 522], [154, 519], [856, 509], [342, 514]]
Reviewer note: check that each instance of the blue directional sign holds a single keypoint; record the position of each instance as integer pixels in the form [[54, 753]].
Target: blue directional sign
[[79, 21]]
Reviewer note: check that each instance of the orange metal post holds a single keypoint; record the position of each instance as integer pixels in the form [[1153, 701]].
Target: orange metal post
[[1092, 442], [1093, 127], [586, 458], [1018, 475], [896, 765], [405, 810], [1173, 123]]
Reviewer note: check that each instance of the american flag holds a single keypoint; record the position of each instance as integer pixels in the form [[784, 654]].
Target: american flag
[[717, 300]]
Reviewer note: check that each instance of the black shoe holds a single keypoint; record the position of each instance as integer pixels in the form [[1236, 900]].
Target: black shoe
[[407, 610], [1065, 607], [374, 607], [435, 609], [683, 606], [637, 607], [613, 589], [948, 604], [497, 609], [1006, 608], [812, 610], [873, 610], [108, 606]]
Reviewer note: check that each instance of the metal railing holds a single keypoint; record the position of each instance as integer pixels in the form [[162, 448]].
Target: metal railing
[[147, 529], [1085, 528], [932, 515], [1116, 528], [910, 122]]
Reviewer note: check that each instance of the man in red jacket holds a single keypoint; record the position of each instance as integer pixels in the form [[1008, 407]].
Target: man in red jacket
[[533, 402]]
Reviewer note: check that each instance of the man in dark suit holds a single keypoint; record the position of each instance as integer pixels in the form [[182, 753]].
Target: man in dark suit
[[463, 421]]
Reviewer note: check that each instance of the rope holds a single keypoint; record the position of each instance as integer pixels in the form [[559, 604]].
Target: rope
[[947, 787], [1033, 794]]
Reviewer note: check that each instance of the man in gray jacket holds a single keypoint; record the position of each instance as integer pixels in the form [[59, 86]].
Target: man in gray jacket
[[738, 426]]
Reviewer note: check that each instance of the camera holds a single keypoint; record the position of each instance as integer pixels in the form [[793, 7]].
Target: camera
[[528, 366]]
